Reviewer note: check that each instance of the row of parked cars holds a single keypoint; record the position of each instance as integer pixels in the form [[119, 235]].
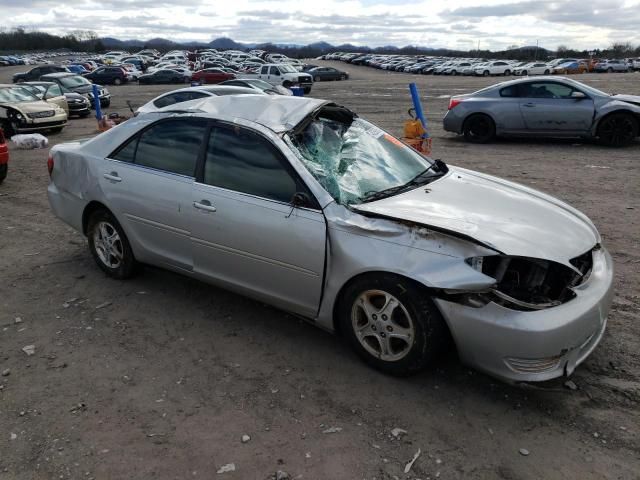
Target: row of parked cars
[[483, 67]]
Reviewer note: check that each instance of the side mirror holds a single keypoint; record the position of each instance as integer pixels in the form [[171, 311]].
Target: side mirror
[[300, 199], [578, 95]]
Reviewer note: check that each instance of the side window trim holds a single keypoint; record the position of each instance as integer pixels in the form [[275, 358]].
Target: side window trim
[[300, 184]]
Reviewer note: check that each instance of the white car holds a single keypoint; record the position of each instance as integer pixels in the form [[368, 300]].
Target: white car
[[495, 68], [533, 68], [192, 93]]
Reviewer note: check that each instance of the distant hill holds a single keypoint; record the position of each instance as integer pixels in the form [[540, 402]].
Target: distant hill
[[316, 48]]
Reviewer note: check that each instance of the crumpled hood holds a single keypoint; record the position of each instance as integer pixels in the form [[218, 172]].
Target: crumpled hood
[[635, 99], [510, 218], [32, 107]]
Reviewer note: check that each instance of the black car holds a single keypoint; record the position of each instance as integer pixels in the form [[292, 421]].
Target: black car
[[36, 72], [108, 75], [79, 84], [162, 76], [78, 104], [327, 73]]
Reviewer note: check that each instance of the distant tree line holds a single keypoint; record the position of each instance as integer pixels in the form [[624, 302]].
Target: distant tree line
[[19, 39]]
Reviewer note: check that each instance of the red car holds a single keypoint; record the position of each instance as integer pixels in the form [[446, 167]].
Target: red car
[[211, 75], [4, 156]]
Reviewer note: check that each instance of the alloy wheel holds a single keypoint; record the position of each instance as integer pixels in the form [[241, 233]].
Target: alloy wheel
[[618, 130], [382, 325], [108, 245]]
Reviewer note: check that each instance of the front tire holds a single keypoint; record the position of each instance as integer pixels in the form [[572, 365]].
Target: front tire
[[486, 73], [479, 128], [109, 246], [507, 73], [117, 81], [618, 130], [316, 78], [547, 72], [3, 172], [392, 324]]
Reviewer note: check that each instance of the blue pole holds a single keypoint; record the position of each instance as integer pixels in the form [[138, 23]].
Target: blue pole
[[418, 107], [96, 102]]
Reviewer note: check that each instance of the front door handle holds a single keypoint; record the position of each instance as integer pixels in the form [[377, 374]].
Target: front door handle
[[204, 205], [529, 105], [113, 176]]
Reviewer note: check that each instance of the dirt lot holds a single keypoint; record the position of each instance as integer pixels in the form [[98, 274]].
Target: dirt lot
[[159, 377]]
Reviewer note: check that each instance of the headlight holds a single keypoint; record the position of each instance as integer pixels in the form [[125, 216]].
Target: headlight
[[524, 283]]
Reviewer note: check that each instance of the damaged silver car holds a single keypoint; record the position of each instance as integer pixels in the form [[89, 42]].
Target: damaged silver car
[[300, 203]]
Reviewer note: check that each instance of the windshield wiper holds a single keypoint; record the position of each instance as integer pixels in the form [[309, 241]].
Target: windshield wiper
[[420, 179]]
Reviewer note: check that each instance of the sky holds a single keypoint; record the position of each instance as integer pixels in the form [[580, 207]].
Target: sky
[[456, 24]]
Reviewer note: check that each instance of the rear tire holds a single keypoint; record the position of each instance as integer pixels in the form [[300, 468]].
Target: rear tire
[[618, 130], [3, 172], [392, 324], [507, 73], [117, 81], [609, 70], [479, 128], [109, 246]]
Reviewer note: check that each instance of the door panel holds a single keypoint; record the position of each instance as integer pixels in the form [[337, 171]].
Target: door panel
[[261, 246], [153, 207], [547, 106]]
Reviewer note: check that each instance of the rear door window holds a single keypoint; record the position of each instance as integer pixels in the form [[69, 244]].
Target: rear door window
[[172, 146]]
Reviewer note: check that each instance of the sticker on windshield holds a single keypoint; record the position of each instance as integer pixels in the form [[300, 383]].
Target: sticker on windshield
[[373, 131]]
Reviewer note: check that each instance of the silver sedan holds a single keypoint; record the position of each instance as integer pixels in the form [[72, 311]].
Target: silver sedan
[[302, 204], [544, 107]]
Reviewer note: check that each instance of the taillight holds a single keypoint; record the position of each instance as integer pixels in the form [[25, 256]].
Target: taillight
[[454, 102], [50, 164]]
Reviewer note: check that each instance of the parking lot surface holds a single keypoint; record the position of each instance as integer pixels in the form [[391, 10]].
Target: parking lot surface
[[161, 376]]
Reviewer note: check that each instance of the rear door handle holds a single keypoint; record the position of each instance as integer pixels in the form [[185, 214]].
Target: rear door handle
[[113, 176], [204, 205], [529, 105]]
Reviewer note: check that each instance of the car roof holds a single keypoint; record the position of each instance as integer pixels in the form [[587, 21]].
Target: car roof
[[60, 75], [276, 112]]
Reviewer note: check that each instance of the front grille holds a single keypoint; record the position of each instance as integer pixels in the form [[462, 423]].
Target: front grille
[[45, 114], [304, 80]]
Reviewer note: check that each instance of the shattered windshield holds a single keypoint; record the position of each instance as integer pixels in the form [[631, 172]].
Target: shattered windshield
[[16, 95], [356, 160]]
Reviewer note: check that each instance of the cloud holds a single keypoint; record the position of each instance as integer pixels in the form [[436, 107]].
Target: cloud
[[583, 24]]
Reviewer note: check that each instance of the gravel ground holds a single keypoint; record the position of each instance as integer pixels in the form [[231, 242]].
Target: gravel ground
[[161, 376]]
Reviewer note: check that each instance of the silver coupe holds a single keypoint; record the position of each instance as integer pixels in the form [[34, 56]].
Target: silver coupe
[[544, 107]]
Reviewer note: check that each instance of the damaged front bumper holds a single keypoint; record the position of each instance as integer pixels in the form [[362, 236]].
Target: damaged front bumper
[[525, 346]]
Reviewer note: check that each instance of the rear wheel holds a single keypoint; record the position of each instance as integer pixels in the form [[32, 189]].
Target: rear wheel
[[109, 246], [392, 324], [609, 70], [479, 128], [507, 73], [618, 130], [3, 172], [117, 81]]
